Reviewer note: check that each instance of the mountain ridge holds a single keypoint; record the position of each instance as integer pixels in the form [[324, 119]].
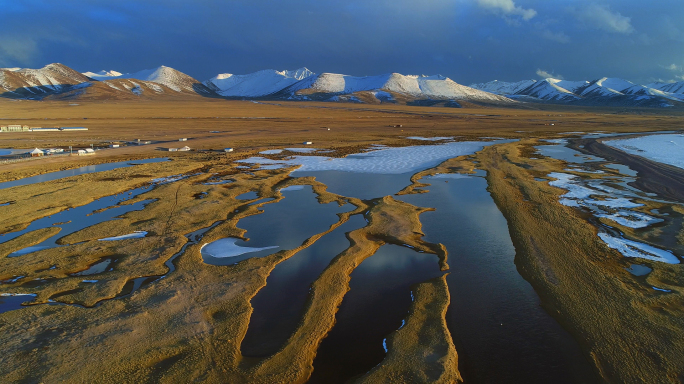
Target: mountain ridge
[[58, 81]]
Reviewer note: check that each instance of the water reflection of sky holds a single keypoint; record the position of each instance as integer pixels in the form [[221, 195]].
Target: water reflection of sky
[[286, 224]]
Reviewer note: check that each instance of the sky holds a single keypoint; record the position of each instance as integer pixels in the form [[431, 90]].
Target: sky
[[467, 40]]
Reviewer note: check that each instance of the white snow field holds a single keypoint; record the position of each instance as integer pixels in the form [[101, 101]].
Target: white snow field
[[395, 160], [666, 149]]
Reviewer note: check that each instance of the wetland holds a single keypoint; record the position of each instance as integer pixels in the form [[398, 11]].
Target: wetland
[[434, 258]]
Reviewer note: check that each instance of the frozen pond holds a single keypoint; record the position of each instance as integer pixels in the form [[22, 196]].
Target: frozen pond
[[78, 171], [666, 149]]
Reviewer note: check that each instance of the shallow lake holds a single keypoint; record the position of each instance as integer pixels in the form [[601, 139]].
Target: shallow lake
[[501, 332], [75, 219], [78, 171]]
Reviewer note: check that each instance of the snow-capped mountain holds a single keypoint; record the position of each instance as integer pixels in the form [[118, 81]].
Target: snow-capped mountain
[[57, 81], [30, 83], [677, 87], [605, 92], [330, 85], [168, 77], [255, 84], [503, 87], [549, 90]]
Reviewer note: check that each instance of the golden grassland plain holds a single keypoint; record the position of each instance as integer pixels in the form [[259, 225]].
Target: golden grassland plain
[[189, 324]]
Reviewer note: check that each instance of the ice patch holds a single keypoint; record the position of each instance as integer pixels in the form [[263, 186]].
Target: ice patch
[[226, 247], [619, 202], [134, 235], [27, 250], [631, 219], [430, 138], [630, 248], [384, 344], [395, 160], [271, 152], [661, 289], [292, 188], [555, 141], [569, 183], [667, 149], [302, 150]]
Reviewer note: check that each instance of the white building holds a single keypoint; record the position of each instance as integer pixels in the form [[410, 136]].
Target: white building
[[36, 152]]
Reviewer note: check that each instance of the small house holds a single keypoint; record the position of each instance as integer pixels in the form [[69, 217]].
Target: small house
[[90, 151], [113, 145], [36, 152], [227, 149], [81, 152], [173, 149], [308, 142], [184, 149], [183, 139]]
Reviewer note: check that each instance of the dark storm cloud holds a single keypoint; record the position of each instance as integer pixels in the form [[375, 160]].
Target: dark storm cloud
[[467, 40]]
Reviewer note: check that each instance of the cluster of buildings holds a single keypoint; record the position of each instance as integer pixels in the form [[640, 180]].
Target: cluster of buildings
[[52, 151], [26, 128]]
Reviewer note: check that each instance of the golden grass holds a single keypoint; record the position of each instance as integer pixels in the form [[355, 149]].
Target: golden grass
[[617, 319]]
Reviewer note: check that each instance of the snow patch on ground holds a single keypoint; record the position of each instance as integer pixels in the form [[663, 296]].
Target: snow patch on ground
[[393, 160], [227, 248], [134, 235], [635, 249], [430, 138], [271, 152], [666, 149]]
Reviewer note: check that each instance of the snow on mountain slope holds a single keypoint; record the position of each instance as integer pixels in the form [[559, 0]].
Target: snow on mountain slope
[[572, 86], [38, 82], [417, 86], [503, 87], [167, 76], [176, 80], [606, 87], [256, 84], [550, 90], [640, 90], [103, 75], [677, 87]]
